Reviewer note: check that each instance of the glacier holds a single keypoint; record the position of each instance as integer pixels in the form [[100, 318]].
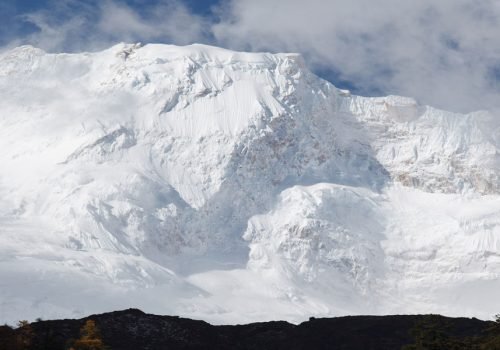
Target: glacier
[[236, 187]]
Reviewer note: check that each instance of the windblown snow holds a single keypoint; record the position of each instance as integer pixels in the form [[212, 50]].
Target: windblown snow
[[236, 187]]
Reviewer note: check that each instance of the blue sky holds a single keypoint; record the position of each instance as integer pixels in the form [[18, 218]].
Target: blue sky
[[445, 53], [14, 25]]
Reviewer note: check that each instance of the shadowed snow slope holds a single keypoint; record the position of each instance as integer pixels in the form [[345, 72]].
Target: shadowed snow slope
[[236, 187]]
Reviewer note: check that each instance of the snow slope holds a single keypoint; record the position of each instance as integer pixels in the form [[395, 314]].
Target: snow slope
[[236, 187]]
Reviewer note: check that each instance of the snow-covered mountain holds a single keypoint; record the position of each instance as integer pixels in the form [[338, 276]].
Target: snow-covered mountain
[[236, 187]]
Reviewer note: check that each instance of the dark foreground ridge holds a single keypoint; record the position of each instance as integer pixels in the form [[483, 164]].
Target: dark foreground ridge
[[134, 330]]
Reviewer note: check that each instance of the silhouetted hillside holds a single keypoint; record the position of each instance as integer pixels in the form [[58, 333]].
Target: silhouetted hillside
[[133, 330]]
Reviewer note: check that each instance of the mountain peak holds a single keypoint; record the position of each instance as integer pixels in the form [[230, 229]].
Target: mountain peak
[[213, 176]]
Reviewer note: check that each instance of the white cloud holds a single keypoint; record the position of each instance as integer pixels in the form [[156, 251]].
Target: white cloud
[[441, 52], [71, 25], [168, 21]]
